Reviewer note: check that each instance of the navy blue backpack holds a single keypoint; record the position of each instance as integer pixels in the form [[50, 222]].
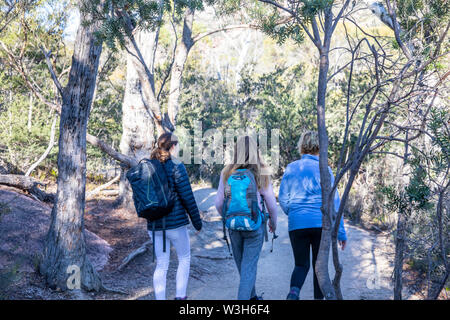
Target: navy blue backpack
[[153, 197], [153, 193]]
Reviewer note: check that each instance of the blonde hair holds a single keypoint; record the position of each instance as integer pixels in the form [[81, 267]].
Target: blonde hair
[[309, 143], [247, 158]]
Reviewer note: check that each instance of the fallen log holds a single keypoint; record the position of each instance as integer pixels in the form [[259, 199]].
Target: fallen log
[[102, 187], [110, 193], [141, 250], [28, 184]]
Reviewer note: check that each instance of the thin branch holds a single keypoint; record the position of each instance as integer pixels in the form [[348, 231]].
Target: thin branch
[[226, 28], [171, 62], [96, 142], [52, 71], [338, 17], [47, 151], [316, 30], [396, 26]]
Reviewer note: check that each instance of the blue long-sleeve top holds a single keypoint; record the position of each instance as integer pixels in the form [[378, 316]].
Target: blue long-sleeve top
[[300, 195]]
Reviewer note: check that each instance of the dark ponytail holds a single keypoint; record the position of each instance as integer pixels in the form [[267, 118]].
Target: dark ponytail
[[166, 141]]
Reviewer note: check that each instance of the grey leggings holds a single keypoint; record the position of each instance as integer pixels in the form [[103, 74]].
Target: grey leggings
[[246, 247]]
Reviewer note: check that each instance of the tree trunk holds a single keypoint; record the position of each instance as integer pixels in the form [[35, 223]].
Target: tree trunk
[[441, 209], [337, 265], [399, 256], [65, 249], [181, 55], [325, 181], [137, 123]]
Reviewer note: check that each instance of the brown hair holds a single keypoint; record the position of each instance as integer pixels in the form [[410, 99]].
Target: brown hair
[[309, 143], [166, 141], [249, 158]]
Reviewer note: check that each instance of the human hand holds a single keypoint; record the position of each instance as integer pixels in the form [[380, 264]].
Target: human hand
[[342, 243]]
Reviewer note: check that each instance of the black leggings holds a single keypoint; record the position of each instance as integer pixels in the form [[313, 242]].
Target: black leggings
[[301, 241]]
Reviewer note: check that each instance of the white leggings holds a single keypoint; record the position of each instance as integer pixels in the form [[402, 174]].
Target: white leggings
[[179, 237]]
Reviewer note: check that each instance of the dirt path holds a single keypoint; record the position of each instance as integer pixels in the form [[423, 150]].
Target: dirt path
[[366, 260]]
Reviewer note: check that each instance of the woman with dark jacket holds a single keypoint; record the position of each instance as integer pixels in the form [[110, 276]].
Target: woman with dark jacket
[[175, 223]]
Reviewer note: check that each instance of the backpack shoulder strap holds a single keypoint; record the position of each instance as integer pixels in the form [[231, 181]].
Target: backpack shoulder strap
[[144, 159], [265, 219]]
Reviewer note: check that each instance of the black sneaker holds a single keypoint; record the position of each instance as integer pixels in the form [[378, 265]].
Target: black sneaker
[[257, 297], [292, 296], [177, 298]]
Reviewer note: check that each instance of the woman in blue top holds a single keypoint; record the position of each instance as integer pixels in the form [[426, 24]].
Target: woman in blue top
[[300, 198]]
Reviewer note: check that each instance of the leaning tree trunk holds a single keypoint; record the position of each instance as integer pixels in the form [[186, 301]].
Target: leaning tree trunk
[[65, 249], [176, 75], [322, 273], [137, 123]]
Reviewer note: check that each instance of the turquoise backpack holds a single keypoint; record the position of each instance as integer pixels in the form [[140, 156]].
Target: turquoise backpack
[[240, 209]]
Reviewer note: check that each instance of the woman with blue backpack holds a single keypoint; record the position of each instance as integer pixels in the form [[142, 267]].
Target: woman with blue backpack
[[243, 189], [300, 197], [172, 228]]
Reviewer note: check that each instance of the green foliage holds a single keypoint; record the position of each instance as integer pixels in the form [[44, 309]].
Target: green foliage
[[24, 146], [423, 20], [415, 14], [279, 32], [275, 100], [25, 137], [417, 200], [313, 7], [143, 15], [414, 196], [441, 134]]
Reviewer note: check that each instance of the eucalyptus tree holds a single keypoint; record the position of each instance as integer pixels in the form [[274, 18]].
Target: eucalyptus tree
[[151, 100], [65, 249]]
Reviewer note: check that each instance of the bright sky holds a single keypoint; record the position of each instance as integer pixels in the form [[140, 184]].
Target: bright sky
[[72, 25]]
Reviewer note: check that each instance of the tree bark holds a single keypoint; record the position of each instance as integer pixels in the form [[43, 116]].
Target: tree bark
[[181, 56], [137, 123], [443, 243], [399, 256], [65, 243], [322, 273]]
